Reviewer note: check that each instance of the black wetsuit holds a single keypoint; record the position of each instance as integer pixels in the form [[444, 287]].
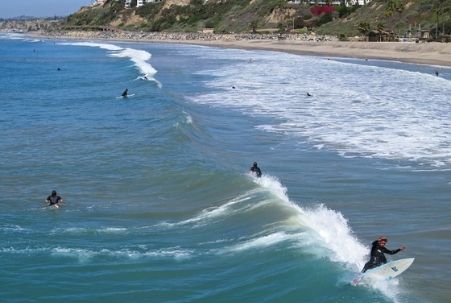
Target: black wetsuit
[[256, 170], [53, 199], [377, 256]]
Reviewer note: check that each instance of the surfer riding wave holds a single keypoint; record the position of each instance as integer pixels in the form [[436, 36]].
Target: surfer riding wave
[[377, 257]]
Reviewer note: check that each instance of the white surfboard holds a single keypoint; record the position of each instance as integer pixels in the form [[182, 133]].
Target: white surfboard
[[387, 271], [122, 97]]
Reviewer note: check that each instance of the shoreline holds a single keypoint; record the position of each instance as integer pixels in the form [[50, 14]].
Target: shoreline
[[432, 53]]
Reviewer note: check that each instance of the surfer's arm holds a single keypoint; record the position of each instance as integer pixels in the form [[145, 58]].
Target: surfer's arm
[[391, 252]]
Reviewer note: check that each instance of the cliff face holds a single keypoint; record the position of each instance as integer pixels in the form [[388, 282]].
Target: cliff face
[[189, 15], [231, 16]]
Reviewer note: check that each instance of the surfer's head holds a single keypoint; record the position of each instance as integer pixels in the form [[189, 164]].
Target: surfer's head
[[255, 164], [54, 193], [382, 240]]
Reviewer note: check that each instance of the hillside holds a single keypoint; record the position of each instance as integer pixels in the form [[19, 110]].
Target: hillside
[[187, 16], [398, 16], [232, 16]]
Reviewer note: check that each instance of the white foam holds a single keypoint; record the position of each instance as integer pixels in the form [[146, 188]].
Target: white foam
[[208, 214], [84, 255], [140, 58], [356, 110], [13, 228], [188, 118], [260, 242], [110, 47], [82, 230]]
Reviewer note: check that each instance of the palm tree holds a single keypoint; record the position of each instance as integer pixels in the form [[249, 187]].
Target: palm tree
[[380, 27], [364, 28]]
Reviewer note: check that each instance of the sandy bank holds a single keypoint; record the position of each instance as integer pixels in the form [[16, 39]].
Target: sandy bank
[[424, 53]]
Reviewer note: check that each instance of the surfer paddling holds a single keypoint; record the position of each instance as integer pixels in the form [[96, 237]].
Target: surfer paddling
[[378, 249], [54, 199]]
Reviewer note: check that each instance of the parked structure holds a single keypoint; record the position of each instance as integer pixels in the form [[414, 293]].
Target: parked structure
[[332, 2]]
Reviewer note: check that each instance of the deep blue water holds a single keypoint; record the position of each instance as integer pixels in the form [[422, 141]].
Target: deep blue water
[[159, 205]]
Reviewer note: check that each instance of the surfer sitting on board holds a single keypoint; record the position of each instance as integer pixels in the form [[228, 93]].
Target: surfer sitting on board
[[125, 93], [256, 170], [54, 199], [377, 253]]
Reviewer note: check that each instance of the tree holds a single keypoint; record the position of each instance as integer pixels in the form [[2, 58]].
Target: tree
[[253, 26], [380, 28], [393, 6], [364, 28]]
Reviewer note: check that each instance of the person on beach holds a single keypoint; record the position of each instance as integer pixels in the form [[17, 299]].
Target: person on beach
[[256, 170], [54, 199], [125, 93], [378, 249]]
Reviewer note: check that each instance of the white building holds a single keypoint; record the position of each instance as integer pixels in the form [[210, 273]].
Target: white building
[[99, 2], [142, 2]]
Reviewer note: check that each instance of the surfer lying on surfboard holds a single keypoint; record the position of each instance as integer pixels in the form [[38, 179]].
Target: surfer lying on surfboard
[[378, 249], [54, 199]]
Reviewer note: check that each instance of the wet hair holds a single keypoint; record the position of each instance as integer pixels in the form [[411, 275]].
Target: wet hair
[[255, 163], [53, 192]]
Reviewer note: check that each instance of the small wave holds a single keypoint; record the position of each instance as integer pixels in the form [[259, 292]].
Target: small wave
[[12, 36], [84, 255], [140, 58], [82, 230], [260, 242], [11, 228], [206, 215], [110, 47]]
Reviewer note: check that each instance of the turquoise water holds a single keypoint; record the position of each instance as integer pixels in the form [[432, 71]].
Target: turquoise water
[[159, 206]]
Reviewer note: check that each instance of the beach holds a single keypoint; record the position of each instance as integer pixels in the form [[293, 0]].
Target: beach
[[432, 53]]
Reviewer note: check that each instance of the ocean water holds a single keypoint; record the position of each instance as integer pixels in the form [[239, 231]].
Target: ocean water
[[159, 205]]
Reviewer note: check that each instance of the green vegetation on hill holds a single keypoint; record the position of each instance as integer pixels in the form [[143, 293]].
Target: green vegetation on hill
[[223, 16], [397, 16]]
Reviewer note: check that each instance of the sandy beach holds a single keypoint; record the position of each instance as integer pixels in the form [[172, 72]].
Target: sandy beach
[[424, 53], [307, 44]]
